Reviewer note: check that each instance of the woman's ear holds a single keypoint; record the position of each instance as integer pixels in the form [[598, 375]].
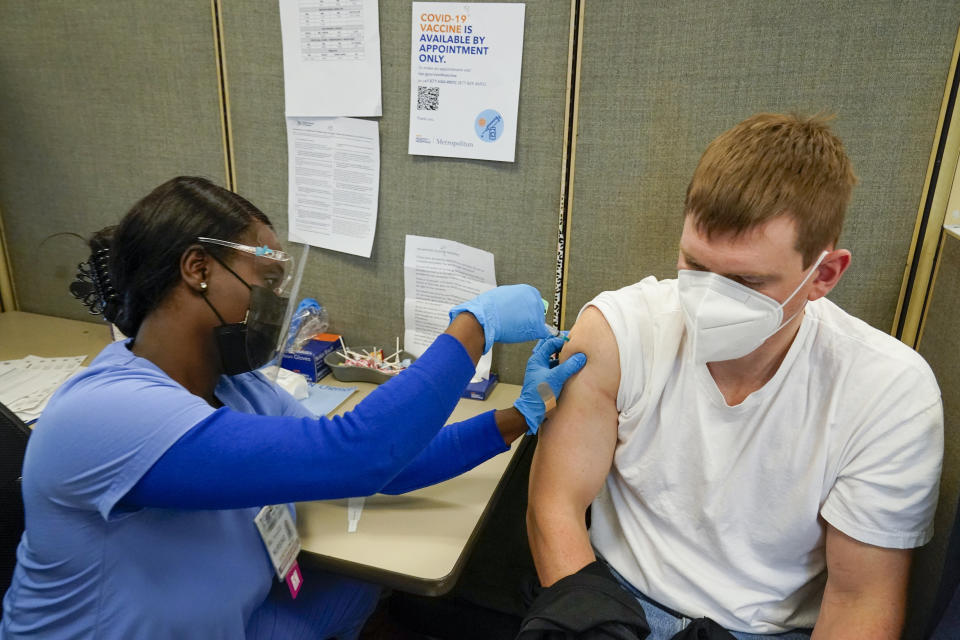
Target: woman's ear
[[194, 265], [829, 272]]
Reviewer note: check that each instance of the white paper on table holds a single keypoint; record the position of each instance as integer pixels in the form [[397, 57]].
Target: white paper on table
[[331, 57], [438, 275], [29, 415], [26, 385], [465, 79], [334, 183], [354, 511]]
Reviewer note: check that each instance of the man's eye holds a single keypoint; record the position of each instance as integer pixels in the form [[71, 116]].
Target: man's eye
[[750, 281]]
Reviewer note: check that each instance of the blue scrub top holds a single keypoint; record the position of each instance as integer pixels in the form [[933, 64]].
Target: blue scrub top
[[87, 568]]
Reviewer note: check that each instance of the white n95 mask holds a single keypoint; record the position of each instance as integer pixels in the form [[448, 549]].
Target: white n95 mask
[[726, 320]]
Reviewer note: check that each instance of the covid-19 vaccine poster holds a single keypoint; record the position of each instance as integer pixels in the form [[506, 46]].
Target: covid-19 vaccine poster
[[465, 79]]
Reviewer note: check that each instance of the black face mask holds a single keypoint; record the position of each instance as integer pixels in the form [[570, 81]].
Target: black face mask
[[248, 345]]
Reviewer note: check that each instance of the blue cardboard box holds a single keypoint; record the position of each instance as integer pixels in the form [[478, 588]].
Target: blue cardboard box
[[480, 390], [309, 360]]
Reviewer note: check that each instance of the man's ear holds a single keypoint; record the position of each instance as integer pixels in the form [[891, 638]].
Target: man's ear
[[194, 266], [829, 272]]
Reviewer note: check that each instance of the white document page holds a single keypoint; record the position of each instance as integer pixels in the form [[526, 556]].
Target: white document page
[[334, 173], [26, 385], [438, 275], [354, 511], [331, 57], [465, 79]]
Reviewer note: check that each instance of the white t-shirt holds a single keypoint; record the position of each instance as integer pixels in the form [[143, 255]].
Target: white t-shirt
[[712, 510]]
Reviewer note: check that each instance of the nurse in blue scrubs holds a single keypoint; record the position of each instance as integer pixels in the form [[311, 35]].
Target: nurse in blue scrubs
[[144, 475]]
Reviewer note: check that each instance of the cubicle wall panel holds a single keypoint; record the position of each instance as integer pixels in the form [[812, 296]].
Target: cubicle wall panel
[[940, 345], [509, 209], [659, 81], [102, 101]]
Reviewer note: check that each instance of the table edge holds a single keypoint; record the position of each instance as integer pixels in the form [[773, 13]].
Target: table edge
[[413, 584]]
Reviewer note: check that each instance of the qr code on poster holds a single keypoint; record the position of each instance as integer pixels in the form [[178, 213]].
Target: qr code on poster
[[428, 98]]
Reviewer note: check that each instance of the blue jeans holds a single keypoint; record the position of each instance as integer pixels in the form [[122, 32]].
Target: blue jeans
[[665, 624]]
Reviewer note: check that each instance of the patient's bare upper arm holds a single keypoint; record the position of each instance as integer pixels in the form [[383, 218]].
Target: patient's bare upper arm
[[576, 444]]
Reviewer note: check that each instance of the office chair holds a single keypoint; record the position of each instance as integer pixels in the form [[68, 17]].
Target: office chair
[[13, 444]]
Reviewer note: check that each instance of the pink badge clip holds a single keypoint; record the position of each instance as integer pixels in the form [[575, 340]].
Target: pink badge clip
[[294, 580]]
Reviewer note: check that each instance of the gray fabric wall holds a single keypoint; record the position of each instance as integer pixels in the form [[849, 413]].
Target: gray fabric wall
[[102, 101], [940, 345], [660, 80], [509, 209]]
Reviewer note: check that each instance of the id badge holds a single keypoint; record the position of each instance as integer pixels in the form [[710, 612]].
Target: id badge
[[282, 542]]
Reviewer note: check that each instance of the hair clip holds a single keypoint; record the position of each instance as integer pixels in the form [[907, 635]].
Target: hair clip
[[92, 286]]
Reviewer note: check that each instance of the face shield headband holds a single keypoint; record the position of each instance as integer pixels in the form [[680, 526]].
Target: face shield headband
[[255, 342]]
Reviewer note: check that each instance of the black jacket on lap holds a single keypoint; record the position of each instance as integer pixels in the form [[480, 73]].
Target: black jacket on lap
[[591, 605], [588, 605]]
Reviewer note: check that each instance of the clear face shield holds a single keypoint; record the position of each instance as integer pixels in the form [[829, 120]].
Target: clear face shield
[[258, 340]]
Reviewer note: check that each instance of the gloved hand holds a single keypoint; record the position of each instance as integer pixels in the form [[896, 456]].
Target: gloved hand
[[512, 313], [540, 368]]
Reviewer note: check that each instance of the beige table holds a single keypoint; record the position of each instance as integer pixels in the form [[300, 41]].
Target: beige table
[[417, 542], [23, 334]]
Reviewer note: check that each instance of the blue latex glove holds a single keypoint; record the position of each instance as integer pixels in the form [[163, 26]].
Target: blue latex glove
[[540, 368], [511, 313]]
